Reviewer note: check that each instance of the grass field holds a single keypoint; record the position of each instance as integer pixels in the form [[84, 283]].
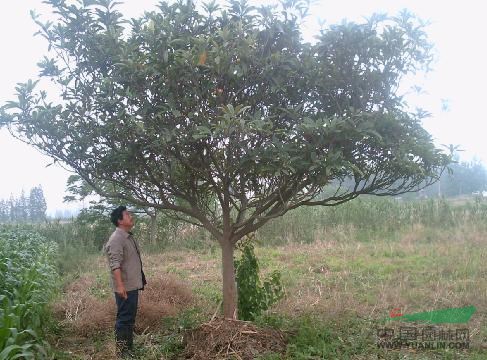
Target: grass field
[[339, 288], [343, 269]]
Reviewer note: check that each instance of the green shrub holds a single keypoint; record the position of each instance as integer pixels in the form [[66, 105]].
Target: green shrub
[[254, 297]]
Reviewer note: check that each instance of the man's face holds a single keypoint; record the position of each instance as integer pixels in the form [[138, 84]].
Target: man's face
[[127, 220]]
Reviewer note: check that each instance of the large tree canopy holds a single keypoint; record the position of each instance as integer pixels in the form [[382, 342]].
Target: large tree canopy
[[227, 117]]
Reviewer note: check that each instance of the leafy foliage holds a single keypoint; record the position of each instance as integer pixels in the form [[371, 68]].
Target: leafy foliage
[[226, 117], [232, 106], [253, 296], [27, 282]]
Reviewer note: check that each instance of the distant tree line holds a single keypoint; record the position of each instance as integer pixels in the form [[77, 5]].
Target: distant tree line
[[24, 208], [464, 178]]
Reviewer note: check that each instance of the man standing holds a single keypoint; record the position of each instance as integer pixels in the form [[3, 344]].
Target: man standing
[[127, 277]]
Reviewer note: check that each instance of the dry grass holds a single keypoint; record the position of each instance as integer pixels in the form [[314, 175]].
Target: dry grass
[[164, 296], [81, 311], [420, 270], [89, 316], [232, 339]]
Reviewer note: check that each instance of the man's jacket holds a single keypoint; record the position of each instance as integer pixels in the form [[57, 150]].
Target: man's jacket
[[123, 253]]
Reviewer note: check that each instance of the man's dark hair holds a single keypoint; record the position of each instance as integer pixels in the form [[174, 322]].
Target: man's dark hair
[[117, 214]]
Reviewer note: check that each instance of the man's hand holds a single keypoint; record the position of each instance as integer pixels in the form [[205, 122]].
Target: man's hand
[[121, 291]]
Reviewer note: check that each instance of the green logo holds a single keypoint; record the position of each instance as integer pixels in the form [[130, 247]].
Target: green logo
[[451, 315]]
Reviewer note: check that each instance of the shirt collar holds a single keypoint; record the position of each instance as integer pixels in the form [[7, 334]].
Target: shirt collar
[[123, 232]]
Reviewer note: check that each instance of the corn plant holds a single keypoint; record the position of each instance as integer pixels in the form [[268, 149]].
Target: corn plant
[[27, 282]]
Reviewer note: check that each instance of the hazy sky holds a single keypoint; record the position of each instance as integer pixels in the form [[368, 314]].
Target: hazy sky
[[456, 29]]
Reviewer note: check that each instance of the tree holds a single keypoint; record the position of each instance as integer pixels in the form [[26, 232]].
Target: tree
[[37, 204], [227, 118], [4, 211], [22, 207], [14, 216]]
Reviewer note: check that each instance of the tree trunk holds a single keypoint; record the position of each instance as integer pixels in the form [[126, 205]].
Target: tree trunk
[[153, 229], [229, 285]]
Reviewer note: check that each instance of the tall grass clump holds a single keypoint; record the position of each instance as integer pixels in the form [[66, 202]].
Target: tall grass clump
[[27, 282], [368, 217]]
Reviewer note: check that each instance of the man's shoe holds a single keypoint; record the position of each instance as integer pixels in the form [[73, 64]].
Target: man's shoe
[[124, 343]]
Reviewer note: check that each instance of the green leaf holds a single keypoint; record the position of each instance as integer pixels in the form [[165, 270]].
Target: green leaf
[[10, 351]]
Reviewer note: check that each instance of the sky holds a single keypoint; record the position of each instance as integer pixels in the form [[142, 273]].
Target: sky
[[458, 78]]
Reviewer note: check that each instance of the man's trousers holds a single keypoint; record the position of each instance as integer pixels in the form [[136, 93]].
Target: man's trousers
[[124, 325]]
